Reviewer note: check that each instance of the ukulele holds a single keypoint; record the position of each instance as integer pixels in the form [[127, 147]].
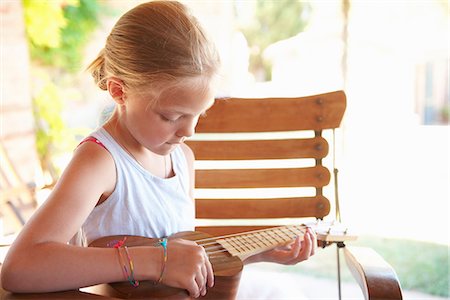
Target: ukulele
[[226, 254]]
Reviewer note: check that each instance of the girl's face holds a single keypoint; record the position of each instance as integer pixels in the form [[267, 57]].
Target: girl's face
[[160, 126]]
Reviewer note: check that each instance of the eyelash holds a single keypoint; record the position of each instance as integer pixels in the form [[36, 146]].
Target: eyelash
[[164, 118]]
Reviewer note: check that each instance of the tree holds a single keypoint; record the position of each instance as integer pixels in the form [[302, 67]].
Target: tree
[[274, 20], [57, 32]]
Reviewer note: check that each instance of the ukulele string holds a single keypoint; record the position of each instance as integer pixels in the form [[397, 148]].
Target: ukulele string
[[257, 245], [213, 239], [264, 242]]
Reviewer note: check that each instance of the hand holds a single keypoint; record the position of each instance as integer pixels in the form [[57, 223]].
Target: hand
[[188, 267], [293, 253]]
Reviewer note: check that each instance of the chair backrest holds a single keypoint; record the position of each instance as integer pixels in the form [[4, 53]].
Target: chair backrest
[[259, 161]]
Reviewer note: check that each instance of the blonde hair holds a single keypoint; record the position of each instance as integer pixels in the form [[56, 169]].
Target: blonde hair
[[155, 44]]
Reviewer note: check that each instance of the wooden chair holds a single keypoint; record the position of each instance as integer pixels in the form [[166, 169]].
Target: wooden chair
[[260, 145], [17, 198]]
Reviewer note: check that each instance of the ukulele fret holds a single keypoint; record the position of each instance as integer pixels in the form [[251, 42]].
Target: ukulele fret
[[261, 240], [255, 242], [236, 247], [281, 237], [244, 242], [273, 238]]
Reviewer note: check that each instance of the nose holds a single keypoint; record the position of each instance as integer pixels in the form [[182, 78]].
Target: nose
[[187, 129]]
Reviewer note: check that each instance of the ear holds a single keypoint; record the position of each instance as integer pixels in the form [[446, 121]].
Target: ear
[[116, 90]]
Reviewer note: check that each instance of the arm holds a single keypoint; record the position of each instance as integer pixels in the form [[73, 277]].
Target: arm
[[40, 259], [190, 158]]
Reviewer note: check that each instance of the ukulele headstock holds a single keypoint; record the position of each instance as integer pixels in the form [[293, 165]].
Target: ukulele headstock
[[329, 232]]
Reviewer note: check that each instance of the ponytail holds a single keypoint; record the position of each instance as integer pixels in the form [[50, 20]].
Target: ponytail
[[97, 70]]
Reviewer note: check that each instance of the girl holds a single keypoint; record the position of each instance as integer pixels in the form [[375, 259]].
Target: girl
[[134, 175]]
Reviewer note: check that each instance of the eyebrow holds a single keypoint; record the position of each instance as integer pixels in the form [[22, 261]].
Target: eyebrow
[[183, 113]]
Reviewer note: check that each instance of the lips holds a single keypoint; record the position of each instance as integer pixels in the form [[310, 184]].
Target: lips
[[174, 142]]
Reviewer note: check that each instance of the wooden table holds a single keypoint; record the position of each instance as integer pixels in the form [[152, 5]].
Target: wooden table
[[75, 294]]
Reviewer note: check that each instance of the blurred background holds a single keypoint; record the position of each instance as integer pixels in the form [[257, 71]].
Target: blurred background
[[390, 57]]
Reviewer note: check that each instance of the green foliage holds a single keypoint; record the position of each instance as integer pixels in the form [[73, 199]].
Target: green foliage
[[420, 266], [48, 108], [51, 132], [273, 21], [57, 32], [44, 20], [59, 29], [445, 114]]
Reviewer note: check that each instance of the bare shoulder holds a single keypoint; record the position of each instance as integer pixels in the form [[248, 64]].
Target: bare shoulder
[[89, 175], [94, 166], [95, 154]]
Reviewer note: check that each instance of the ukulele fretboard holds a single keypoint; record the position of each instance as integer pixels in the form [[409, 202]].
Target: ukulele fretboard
[[254, 242]]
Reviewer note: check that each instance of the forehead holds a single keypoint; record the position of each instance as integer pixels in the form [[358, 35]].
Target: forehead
[[192, 96]]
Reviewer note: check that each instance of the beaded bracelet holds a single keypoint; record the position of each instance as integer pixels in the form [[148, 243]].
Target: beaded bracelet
[[163, 244]]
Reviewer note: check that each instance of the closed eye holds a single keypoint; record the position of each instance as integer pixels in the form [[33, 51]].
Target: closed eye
[[167, 119]]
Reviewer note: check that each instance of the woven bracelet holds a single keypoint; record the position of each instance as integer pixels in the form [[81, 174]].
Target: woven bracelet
[[163, 244]]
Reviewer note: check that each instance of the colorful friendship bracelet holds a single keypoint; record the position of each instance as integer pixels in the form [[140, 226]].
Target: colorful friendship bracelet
[[122, 264], [128, 276], [163, 244]]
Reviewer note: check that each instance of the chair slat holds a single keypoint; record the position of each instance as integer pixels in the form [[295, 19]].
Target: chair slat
[[297, 207], [317, 112], [260, 149], [263, 178]]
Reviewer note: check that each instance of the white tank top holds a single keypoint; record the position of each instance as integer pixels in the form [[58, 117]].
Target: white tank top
[[142, 203]]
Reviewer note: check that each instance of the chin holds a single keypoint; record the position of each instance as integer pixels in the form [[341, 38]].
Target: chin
[[167, 148]]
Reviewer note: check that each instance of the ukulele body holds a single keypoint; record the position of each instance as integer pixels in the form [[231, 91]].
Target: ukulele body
[[227, 271]]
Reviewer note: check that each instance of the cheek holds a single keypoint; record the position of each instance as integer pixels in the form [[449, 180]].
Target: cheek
[[157, 129], [142, 123], [148, 127], [162, 131]]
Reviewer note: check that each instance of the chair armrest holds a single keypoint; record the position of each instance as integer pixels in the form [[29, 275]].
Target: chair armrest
[[374, 275]]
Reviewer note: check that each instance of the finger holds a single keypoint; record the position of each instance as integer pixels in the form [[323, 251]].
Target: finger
[[296, 247], [210, 273], [193, 289], [306, 247], [201, 282], [314, 242], [294, 252], [204, 280], [313, 239]]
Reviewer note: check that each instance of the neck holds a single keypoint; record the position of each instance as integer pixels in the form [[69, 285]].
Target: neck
[[122, 135], [159, 165]]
